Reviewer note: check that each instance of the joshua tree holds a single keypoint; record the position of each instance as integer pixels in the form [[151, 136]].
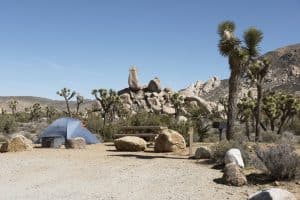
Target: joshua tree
[[178, 101], [270, 108], [107, 100], [35, 111], [13, 106], [79, 101], [67, 95], [257, 70], [289, 107], [246, 108], [230, 46], [50, 112], [3, 111]]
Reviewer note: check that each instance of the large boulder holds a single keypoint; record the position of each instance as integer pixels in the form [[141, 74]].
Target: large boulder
[[76, 143], [19, 143], [233, 175], [169, 141], [130, 143], [235, 156], [154, 85], [203, 153], [133, 80], [272, 194]]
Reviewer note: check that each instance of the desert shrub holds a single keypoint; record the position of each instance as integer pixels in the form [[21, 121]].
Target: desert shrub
[[281, 161], [7, 124], [211, 138], [295, 126], [269, 137], [23, 117], [219, 150], [240, 136], [288, 138]]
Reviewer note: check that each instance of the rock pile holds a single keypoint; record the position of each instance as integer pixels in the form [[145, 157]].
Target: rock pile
[[154, 97]]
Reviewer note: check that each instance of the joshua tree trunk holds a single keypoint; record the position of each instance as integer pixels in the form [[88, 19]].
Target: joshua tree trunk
[[258, 112], [234, 82], [68, 107], [248, 130], [103, 127], [272, 122], [282, 122], [77, 109]]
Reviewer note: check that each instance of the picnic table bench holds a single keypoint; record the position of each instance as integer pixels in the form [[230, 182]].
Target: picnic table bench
[[146, 132]]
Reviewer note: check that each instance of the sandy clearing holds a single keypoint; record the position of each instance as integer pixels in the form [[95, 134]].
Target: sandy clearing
[[99, 172]]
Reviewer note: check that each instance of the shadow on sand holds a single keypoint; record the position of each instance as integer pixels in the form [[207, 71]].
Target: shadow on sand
[[147, 156], [258, 179]]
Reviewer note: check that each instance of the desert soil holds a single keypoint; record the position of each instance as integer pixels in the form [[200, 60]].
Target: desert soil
[[100, 172]]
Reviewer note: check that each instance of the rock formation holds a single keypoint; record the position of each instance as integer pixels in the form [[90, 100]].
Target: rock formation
[[133, 80]]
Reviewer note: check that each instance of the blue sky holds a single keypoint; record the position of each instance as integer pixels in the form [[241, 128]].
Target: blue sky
[[46, 45]]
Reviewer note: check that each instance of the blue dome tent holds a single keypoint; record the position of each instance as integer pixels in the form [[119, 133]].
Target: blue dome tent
[[64, 129]]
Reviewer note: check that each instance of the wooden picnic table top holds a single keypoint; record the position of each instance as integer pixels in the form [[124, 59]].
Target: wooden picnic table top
[[143, 128]]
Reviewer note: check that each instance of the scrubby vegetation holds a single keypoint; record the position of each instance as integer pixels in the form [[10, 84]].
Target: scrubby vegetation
[[281, 161]]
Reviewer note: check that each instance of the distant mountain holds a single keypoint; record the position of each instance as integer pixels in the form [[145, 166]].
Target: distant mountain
[[27, 101]]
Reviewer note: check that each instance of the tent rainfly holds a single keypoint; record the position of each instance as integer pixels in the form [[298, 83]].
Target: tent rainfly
[[68, 128]]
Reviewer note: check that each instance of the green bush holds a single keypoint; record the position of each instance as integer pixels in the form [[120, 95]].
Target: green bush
[[23, 117], [7, 124]]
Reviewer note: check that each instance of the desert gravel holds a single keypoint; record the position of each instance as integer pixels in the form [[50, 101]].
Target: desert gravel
[[100, 172]]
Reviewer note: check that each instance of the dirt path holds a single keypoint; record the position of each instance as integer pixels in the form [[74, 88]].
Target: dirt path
[[99, 172]]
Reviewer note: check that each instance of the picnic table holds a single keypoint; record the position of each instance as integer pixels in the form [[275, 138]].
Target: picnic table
[[146, 132]]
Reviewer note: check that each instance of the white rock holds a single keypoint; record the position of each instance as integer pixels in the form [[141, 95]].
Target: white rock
[[272, 194], [181, 119], [235, 156]]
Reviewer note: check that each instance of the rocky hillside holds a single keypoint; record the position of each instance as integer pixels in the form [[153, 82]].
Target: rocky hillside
[[284, 75]]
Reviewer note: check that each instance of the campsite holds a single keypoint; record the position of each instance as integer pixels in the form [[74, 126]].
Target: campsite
[[149, 100]]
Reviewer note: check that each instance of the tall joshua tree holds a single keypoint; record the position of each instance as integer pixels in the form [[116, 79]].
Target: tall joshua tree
[[67, 95], [230, 46], [257, 70]]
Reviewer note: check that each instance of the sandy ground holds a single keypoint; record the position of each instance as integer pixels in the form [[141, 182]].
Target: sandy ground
[[99, 172]]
